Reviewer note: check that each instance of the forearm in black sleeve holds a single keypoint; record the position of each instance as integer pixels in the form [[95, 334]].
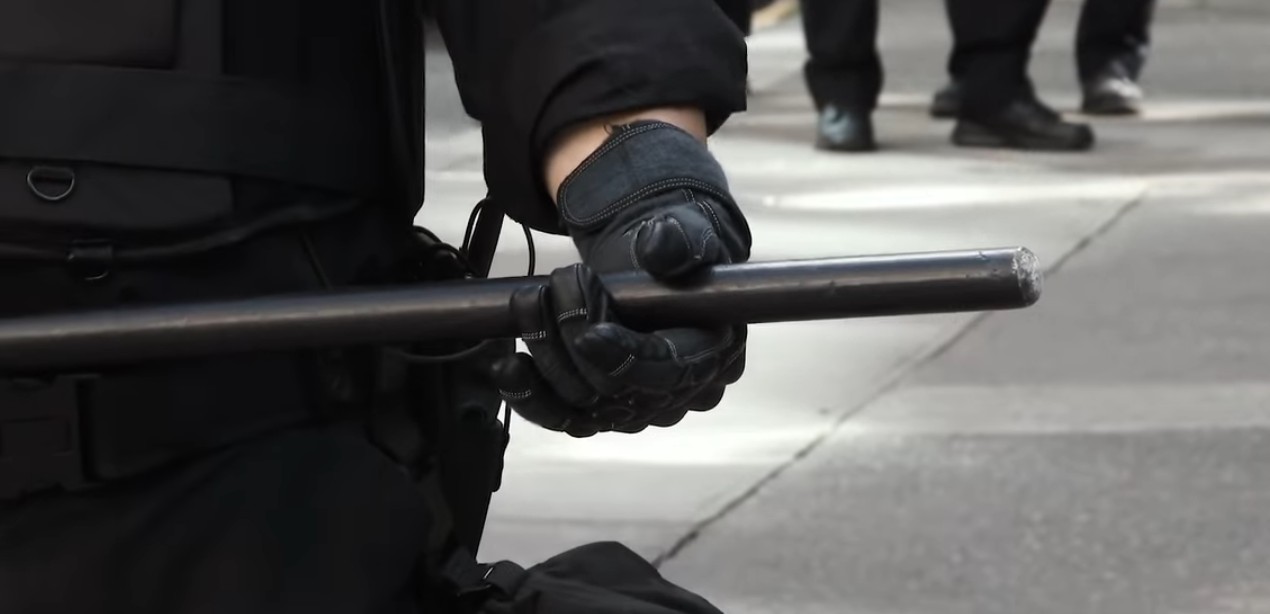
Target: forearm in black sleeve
[[528, 69]]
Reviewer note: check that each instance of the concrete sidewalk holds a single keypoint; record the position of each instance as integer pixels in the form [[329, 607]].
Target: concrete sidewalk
[[937, 464]]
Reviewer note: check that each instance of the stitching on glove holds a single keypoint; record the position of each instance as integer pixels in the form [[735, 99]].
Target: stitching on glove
[[706, 235], [634, 252], [735, 355], [709, 211], [674, 350], [538, 336], [515, 396], [622, 368], [682, 232], [725, 342], [572, 313]]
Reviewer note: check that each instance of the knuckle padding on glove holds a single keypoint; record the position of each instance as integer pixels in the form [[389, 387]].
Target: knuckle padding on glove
[[676, 240]]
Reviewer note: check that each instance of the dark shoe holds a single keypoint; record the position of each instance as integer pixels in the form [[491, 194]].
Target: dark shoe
[[947, 102], [842, 130], [1112, 95], [1024, 124]]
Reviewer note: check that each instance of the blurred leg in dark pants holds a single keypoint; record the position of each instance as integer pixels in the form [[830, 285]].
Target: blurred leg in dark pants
[[1111, 49], [741, 12], [843, 71], [992, 47], [997, 105]]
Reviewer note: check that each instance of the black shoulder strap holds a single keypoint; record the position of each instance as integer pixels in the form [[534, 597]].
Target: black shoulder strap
[[452, 569], [485, 228]]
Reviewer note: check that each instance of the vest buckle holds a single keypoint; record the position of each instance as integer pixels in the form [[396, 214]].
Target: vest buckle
[[91, 259]]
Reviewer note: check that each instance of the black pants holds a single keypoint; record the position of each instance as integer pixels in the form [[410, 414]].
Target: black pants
[[843, 67], [1114, 36], [741, 12], [314, 521], [993, 44]]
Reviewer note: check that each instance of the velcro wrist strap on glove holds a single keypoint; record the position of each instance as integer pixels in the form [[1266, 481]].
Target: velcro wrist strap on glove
[[645, 167]]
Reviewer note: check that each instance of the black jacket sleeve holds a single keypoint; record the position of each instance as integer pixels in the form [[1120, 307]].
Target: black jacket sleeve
[[528, 68]]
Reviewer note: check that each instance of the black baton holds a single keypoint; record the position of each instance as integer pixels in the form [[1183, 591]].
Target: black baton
[[797, 290]]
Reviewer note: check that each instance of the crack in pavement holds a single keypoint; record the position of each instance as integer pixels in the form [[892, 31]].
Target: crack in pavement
[[889, 384]]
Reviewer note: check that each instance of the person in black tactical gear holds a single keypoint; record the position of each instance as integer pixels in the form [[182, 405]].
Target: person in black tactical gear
[[157, 151]]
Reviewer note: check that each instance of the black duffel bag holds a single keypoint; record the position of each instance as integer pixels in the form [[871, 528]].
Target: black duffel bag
[[598, 578]]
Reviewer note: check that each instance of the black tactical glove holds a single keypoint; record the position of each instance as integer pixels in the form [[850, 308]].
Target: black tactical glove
[[651, 198]]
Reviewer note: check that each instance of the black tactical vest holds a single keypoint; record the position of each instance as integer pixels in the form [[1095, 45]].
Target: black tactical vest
[[142, 129]]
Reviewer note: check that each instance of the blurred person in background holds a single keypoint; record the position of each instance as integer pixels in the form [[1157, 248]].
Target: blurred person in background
[[843, 71], [1111, 50], [991, 94]]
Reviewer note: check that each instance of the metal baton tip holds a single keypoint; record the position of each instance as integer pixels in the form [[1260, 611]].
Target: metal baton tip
[[1027, 269]]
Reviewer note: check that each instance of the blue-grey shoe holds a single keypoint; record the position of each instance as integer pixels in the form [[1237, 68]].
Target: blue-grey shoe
[[841, 129]]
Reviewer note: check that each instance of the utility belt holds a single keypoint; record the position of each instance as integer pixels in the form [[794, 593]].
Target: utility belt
[[76, 431], [72, 431]]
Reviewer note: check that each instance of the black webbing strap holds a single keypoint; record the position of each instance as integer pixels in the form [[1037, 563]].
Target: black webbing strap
[[77, 432], [189, 122], [452, 568], [485, 228]]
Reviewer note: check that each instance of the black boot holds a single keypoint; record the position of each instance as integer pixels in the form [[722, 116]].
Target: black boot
[[947, 102], [1024, 124], [1112, 95], [840, 129]]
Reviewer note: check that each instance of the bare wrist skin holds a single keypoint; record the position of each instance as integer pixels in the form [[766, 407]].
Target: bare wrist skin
[[576, 143]]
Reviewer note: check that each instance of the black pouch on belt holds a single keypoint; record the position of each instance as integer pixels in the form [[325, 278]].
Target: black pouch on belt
[[85, 429], [450, 423]]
